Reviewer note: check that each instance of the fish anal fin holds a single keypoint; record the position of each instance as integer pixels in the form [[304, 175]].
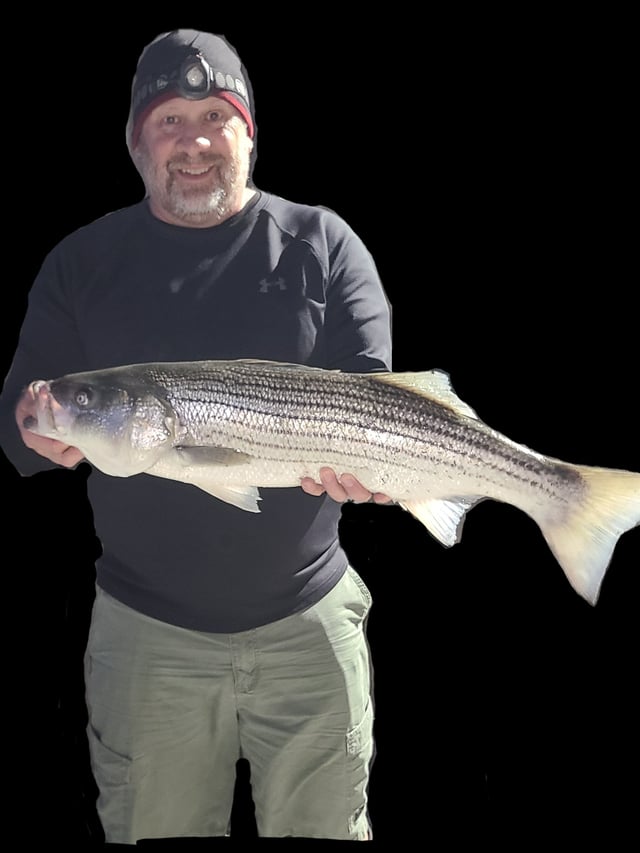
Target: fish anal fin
[[443, 517]]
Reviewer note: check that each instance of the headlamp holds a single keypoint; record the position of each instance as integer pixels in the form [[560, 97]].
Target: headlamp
[[195, 78]]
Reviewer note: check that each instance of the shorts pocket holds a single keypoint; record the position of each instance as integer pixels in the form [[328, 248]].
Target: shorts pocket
[[367, 598], [110, 768], [360, 753], [121, 782]]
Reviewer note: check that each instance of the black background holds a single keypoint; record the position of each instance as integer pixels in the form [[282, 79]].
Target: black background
[[490, 166]]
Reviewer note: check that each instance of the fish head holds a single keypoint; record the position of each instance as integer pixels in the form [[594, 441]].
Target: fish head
[[122, 428]]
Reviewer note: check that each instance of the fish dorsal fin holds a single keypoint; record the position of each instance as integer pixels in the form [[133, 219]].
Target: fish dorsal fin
[[434, 384], [286, 365]]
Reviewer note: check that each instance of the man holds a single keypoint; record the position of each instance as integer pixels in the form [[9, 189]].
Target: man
[[215, 634]]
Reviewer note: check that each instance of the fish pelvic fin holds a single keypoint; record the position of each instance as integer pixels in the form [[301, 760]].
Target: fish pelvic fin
[[245, 497], [584, 544], [443, 518]]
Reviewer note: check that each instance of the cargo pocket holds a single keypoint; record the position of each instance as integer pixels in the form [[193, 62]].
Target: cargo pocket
[[113, 774], [360, 753]]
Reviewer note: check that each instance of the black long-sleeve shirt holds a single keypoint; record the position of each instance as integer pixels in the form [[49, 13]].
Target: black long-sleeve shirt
[[278, 281]]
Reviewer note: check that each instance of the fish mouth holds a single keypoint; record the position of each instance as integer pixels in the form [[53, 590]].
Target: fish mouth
[[49, 419]]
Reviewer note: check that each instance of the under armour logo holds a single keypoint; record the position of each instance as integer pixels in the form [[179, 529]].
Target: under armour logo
[[266, 285]]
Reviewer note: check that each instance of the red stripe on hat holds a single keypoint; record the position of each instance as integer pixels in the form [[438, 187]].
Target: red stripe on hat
[[237, 103]]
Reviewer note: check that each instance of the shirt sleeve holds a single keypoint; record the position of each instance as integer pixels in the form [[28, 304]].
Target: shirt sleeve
[[358, 315], [48, 346]]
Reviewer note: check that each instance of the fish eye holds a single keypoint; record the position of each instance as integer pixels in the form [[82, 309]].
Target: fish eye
[[83, 397]]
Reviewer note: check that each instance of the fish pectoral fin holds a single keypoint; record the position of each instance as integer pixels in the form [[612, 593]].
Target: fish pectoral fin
[[244, 497], [443, 517], [209, 455]]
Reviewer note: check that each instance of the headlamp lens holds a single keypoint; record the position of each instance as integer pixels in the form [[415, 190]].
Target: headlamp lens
[[195, 78]]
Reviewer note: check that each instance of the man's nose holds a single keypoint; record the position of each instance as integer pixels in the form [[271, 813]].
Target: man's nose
[[194, 142]]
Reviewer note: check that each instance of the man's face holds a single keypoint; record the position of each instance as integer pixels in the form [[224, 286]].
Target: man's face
[[194, 159]]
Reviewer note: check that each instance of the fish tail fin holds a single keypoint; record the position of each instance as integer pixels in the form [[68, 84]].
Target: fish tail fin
[[584, 543]]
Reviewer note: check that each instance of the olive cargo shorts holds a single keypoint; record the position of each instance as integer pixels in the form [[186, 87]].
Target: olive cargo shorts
[[172, 710]]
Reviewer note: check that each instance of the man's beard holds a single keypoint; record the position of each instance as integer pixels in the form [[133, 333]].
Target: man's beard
[[195, 203]]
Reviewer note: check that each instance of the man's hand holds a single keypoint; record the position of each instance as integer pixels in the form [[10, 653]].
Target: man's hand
[[50, 448], [347, 488]]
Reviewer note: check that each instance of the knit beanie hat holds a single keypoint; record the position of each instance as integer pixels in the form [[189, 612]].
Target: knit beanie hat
[[189, 64]]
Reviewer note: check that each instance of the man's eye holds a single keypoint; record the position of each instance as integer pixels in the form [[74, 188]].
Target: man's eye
[[170, 120], [214, 115]]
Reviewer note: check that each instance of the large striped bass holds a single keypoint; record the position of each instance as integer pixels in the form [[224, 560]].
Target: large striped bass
[[232, 427]]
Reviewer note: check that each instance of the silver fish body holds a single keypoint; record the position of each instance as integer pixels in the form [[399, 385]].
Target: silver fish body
[[232, 427]]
